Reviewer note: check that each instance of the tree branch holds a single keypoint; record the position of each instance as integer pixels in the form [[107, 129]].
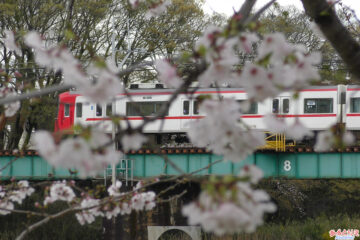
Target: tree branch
[[32, 94], [337, 34], [43, 221]]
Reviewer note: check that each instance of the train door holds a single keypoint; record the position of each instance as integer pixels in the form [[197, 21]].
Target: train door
[[98, 111], [281, 106], [67, 120], [186, 113]]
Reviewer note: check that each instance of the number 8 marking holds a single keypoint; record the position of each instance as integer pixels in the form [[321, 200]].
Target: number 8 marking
[[287, 165]]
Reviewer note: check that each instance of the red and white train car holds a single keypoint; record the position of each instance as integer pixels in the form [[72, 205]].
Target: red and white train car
[[317, 108]]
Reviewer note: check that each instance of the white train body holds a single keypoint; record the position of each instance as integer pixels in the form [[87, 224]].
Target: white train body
[[317, 108]]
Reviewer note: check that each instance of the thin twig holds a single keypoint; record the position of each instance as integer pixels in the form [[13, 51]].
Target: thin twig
[[24, 212], [173, 197], [258, 13]]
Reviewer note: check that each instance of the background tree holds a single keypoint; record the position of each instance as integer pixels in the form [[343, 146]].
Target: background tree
[[299, 29], [86, 28]]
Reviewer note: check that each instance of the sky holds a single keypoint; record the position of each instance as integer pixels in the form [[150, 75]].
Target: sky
[[226, 6]]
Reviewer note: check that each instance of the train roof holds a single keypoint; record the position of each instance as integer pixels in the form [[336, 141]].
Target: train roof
[[192, 89]]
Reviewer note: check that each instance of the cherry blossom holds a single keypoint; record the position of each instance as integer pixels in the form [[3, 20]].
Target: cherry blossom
[[135, 3], [13, 193], [154, 8], [89, 215], [324, 141], [23, 191], [220, 54], [114, 189], [220, 132], [59, 191], [252, 172], [348, 138], [99, 84], [296, 130], [246, 41], [157, 8], [6, 207], [275, 45], [132, 141], [11, 108], [105, 86], [10, 43], [208, 38], [239, 209], [79, 153], [258, 82], [113, 212], [167, 74], [142, 201]]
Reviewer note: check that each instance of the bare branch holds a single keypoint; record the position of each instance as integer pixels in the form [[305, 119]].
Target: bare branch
[[258, 13], [337, 34], [37, 93], [246, 8]]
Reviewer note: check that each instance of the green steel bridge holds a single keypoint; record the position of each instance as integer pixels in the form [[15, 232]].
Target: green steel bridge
[[146, 163]]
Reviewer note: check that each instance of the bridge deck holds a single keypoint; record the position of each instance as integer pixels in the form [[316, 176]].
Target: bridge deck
[[292, 165]]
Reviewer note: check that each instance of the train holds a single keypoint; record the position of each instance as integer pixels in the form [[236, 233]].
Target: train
[[316, 107]]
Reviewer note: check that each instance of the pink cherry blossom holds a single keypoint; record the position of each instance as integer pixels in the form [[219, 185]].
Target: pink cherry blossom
[[59, 191], [10, 43], [79, 153], [167, 74], [220, 132], [157, 8], [252, 172], [132, 141], [240, 209], [88, 216]]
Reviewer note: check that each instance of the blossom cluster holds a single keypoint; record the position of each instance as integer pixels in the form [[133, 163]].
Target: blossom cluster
[[99, 84], [154, 7], [227, 207], [13, 107], [89, 154], [333, 138], [92, 208], [59, 191], [15, 192], [221, 132]]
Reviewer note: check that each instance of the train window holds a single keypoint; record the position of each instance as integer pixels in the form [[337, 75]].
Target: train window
[[318, 105], [355, 105], [253, 107], [78, 110], [144, 108], [108, 109], [275, 106], [186, 107], [196, 107], [66, 110], [286, 105], [98, 110]]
